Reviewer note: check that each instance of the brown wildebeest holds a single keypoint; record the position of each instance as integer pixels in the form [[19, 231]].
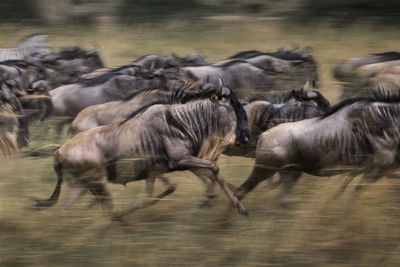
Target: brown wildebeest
[[358, 136], [153, 140]]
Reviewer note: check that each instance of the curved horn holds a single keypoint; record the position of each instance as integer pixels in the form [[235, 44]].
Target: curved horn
[[153, 64], [306, 86], [220, 85]]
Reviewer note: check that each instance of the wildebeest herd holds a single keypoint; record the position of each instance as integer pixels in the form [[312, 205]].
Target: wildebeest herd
[[160, 114]]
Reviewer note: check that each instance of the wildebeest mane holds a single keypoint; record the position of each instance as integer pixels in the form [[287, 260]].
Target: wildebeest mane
[[388, 56], [17, 63], [287, 55], [230, 63], [102, 78], [380, 95], [176, 96], [245, 54], [345, 103], [281, 54], [134, 94], [142, 109]]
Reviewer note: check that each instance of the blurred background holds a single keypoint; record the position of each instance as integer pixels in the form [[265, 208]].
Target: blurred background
[[303, 229]]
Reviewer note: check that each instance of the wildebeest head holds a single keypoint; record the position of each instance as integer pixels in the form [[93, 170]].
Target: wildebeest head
[[314, 96], [225, 95]]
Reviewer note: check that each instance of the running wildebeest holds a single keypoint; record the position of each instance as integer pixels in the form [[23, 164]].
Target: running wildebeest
[[359, 74], [239, 75], [358, 136], [170, 137], [253, 71], [69, 100], [265, 112], [27, 105], [66, 66], [291, 67]]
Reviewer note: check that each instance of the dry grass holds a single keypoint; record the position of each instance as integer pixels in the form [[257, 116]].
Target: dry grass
[[306, 228]]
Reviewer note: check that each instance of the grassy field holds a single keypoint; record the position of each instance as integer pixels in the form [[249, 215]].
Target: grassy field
[[303, 229]]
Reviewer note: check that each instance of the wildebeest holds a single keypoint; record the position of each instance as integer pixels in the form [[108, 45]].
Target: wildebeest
[[22, 72], [291, 67], [170, 137], [265, 112], [23, 101], [358, 136], [257, 72], [69, 100], [359, 74], [66, 66], [237, 74]]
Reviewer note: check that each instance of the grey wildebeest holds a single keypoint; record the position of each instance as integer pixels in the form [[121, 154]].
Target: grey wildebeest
[[359, 74], [69, 100], [358, 136], [151, 141], [288, 68], [265, 112], [237, 74]]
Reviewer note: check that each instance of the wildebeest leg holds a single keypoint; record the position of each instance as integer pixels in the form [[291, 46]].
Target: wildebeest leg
[[343, 187], [367, 179], [189, 162], [60, 125], [102, 194], [204, 176], [289, 179], [150, 201], [75, 192], [258, 175]]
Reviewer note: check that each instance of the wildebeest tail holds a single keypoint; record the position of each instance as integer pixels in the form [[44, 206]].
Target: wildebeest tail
[[46, 203]]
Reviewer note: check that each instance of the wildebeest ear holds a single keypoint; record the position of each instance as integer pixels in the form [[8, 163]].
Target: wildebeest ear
[[312, 94], [225, 91]]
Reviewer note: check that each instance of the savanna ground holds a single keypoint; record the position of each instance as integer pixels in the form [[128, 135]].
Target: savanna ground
[[305, 228]]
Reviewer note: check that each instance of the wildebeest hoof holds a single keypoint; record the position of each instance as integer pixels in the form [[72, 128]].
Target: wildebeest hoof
[[242, 210], [39, 204]]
